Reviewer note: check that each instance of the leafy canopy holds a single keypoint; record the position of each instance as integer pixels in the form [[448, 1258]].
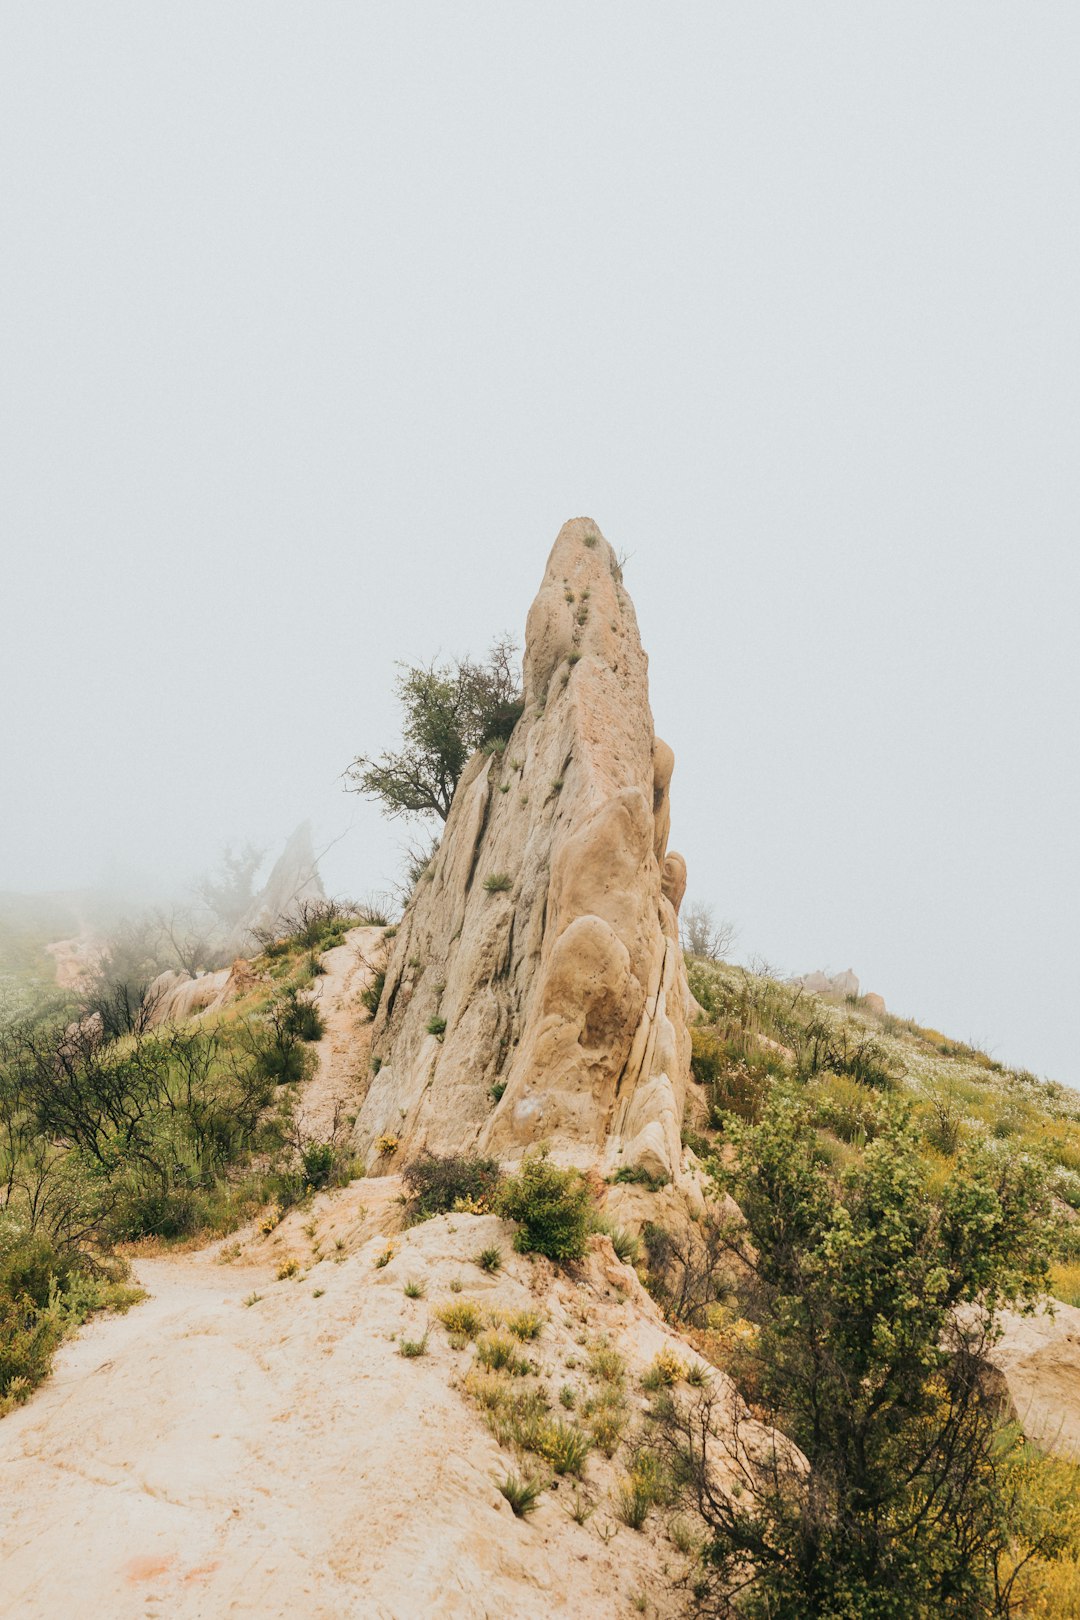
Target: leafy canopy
[[450, 710], [872, 1306]]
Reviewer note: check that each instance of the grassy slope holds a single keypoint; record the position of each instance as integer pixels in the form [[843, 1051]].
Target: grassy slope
[[845, 1059]]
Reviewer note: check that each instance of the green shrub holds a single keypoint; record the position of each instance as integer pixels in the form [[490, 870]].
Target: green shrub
[[498, 883], [410, 1348], [525, 1324], [846, 1107], [499, 1352], [46, 1292], [627, 1247], [522, 1494], [489, 1259], [318, 1161], [302, 1017], [636, 1175], [563, 1445], [437, 1183], [436, 1026], [554, 1208], [873, 1297], [735, 1072]]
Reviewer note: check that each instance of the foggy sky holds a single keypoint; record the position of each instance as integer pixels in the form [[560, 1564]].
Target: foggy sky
[[318, 321]]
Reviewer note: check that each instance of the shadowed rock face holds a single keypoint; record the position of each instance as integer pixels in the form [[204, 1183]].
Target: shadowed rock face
[[566, 988]]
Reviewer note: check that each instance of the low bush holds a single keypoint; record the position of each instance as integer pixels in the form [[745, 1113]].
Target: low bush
[[735, 1071], [647, 1485], [302, 1017], [627, 1247], [461, 1316], [636, 1175], [45, 1293], [522, 1494], [318, 1162], [554, 1209], [563, 1445], [665, 1370], [499, 1353], [525, 1324], [851, 1110], [437, 1183], [498, 883]]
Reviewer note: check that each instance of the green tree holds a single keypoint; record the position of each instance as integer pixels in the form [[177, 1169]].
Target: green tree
[[873, 1305], [450, 710]]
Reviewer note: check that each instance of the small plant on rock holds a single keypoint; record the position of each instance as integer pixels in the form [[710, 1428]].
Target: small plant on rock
[[665, 1370], [525, 1324], [461, 1316], [522, 1494]]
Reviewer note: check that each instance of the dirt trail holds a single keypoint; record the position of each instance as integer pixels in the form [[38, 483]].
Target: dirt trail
[[206, 1457], [336, 1089], [247, 1444]]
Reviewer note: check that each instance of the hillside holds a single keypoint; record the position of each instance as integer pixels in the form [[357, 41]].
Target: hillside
[[509, 1260]]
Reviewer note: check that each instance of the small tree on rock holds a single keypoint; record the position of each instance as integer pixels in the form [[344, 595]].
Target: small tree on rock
[[450, 709]]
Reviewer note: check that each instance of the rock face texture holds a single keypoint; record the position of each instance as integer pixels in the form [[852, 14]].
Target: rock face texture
[[1039, 1358], [536, 991]]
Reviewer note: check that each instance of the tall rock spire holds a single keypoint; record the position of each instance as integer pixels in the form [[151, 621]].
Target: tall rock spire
[[536, 992]]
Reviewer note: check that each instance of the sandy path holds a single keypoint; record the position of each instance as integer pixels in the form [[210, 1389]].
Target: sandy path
[[203, 1458], [336, 1090]]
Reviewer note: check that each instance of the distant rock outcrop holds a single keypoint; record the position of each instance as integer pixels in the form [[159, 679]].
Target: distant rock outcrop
[[293, 879], [841, 984], [820, 984], [172, 996], [537, 991]]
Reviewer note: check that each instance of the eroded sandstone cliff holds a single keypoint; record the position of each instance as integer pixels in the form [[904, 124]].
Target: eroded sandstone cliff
[[536, 991]]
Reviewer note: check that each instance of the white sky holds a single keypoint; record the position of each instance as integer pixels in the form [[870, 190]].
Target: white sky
[[317, 321]]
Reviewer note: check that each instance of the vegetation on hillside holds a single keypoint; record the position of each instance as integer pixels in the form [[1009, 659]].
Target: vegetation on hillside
[[898, 1190], [114, 1131]]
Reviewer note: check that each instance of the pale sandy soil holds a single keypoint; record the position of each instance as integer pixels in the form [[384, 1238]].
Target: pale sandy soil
[[203, 1457], [344, 1052], [208, 1456]]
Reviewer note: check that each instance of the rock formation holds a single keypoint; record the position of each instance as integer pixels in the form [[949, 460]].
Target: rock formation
[[820, 984], [294, 878], [536, 992]]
